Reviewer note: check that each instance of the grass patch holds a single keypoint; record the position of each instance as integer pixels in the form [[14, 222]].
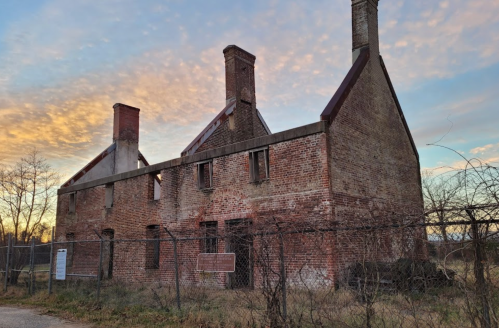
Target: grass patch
[[154, 305], [80, 304]]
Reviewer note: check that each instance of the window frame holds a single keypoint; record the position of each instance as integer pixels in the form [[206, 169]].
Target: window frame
[[254, 167], [232, 122], [154, 192], [200, 174], [109, 197], [209, 244], [72, 203]]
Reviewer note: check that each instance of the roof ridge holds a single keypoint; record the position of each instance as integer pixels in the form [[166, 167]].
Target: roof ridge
[[90, 165], [339, 97], [206, 131]]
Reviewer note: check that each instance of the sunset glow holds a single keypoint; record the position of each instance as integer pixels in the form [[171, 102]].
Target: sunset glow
[[65, 63]]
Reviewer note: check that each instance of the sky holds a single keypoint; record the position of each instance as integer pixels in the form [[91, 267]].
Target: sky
[[64, 64]]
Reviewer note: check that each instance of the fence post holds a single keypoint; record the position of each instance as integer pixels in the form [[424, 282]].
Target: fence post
[[51, 261], [7, 262], [32, 267], [283, 275], [175, 258], [481, 285], [101, 248]]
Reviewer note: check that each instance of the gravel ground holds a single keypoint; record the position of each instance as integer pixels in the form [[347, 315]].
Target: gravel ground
[[11, 317]]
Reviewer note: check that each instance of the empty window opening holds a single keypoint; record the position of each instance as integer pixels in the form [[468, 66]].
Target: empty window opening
[[155, 186], [152, 247], [72, 203], [70, 237], [259, 164], [109, 195], [205, 174], [209, 244], [232, 123]]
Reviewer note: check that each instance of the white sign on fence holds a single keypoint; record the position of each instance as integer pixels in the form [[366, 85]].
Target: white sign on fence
[[60, 268]]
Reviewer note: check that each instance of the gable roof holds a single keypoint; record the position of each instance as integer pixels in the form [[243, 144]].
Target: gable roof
[[109, 150], [213, 125], [265, 126], [333, 107], [399, 108], [209, 129], [89, 166]]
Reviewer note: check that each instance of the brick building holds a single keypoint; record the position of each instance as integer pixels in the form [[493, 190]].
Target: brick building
[[358, 163]]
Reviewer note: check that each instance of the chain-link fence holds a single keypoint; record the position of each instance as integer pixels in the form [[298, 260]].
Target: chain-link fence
[[392, 275], [24, 263]]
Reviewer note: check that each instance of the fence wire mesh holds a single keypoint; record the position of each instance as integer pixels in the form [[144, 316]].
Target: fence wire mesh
[[413, 275]]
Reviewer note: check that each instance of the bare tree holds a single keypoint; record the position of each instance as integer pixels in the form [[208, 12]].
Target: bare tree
[[479, 204], [28, 191], [471, 195], [440, 193]]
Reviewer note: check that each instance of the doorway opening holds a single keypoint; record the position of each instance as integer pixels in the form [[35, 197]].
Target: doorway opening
[[107, 253], [240, 242]]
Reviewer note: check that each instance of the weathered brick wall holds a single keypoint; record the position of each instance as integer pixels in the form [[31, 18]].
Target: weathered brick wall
[[88, 216], [221, 136], [296, 181], [297, 191], [374, 170], [133, 210]]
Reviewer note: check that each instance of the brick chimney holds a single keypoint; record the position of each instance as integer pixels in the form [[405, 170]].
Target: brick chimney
[[364, 27], [126, 137], [239, 74], [240, 87]]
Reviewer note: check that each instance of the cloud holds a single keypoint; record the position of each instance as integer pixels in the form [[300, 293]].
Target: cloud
[[484, 149], [401, 43], [78, 118], [458, 160], [64, 39], [487, 153], [439, 39], [65, 66]]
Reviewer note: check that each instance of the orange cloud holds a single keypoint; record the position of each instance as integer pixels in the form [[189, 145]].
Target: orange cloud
[[77, 122]]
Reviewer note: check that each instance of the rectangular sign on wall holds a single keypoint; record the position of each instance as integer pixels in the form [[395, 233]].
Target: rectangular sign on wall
[[60, 268], [216, 262]]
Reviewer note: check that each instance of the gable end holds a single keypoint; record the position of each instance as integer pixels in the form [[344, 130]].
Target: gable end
[[89, 166], [209, 129], [334, 105], [399, 108]]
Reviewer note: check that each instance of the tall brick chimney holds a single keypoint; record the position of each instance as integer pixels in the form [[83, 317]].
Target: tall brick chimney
[[240, 86], [126, 137], [364, 27], [239, 73]]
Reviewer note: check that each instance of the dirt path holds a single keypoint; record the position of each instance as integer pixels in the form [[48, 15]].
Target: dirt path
[[11, 317]]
